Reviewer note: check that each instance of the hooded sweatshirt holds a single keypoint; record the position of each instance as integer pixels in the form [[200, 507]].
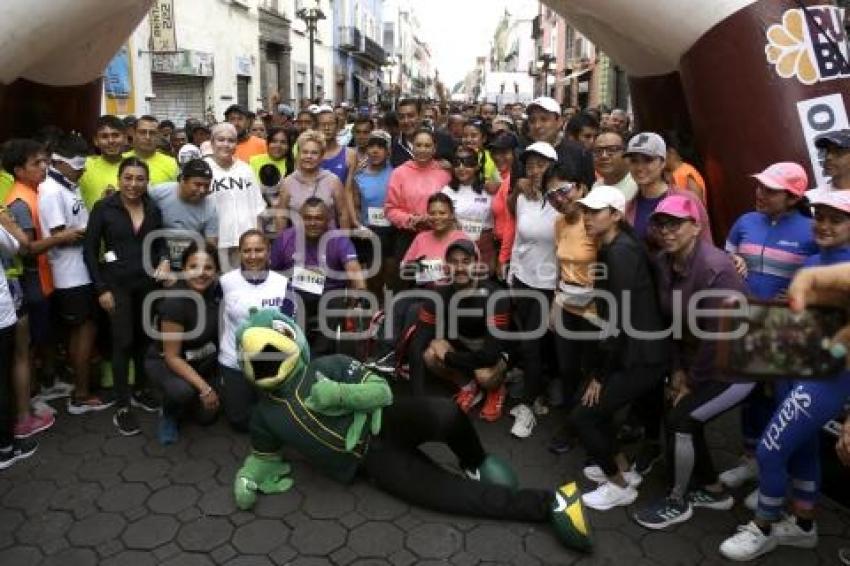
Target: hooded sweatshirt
[[409, 188]]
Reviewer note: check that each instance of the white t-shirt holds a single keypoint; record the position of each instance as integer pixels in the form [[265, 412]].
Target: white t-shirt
[[473, 210], [626, 185], [238, 200], [240, 296], [8, 247], [533, 257], [60, 205]]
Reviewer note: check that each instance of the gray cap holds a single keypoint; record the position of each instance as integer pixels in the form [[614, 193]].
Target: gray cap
[[838, 138], [647, 143]]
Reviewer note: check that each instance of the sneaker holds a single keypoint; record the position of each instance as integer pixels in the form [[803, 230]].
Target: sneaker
[[844, 555], [58, 390], [788, 533], [468, 396], [40, 407], [746, 471], [524, 423], [609, 495], [649, 455], [33, 424], [20, 450], [747, 544], [126, 422], [562, 442], [751, 502], [145, 401], [90, 404], [167, 430], [669, 511], [493, 404], [540, 407], [722, 501], [595, 474]]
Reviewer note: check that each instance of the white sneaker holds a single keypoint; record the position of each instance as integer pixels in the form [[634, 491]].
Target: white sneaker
[[747, 544], [525, 421], [609, 495], [787, 533], [747, 470], [752, 500], [58, 390], [595, 474]]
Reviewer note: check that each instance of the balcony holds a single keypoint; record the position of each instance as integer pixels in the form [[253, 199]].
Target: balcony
[[373, 51], [350, 39]]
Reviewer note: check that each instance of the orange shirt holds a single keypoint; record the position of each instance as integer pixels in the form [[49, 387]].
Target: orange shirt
[[250, 147], [687, 171], [576, 255]]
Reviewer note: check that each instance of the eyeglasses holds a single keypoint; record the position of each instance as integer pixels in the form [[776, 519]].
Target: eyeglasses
[[561, 190], [607, 150], [470, 161], [668, 224]]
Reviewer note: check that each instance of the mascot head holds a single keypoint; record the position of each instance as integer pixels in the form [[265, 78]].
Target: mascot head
[[271, 348]]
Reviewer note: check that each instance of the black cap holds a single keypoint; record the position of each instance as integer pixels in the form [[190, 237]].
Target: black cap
[[839, 138], [504, 140], [236, 108], [466, 246], [196, 168]]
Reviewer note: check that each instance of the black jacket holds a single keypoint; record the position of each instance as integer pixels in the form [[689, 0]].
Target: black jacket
[[630, 282], [578, 160], [110, 231]]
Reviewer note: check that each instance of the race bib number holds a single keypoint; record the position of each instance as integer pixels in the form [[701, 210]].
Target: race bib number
[[308, 280], [376, 217], [472, 228], [431, 271]]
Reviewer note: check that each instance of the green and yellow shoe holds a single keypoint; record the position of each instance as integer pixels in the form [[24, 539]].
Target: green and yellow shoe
[[569, 520]]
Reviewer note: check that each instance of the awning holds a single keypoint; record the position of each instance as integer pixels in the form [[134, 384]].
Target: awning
[[366, 82], [571, 76]]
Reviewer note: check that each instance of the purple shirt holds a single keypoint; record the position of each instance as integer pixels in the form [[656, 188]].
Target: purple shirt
[[338, 251]]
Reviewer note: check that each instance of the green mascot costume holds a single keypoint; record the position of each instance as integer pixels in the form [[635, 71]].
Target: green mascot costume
[[343, 419]]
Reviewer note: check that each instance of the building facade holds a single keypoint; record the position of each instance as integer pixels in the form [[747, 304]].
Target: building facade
[[275, 28], [359, 57], [323, 51], [201, 75], [409, 69]]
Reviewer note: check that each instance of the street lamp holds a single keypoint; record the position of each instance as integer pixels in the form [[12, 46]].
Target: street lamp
[[390, 66], [310, 17]]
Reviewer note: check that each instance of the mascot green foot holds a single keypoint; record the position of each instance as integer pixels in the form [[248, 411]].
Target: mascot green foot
[[495, 471], [568, 518], [265, 473]]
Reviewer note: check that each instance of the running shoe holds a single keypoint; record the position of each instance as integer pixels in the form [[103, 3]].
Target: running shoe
[[722, 501], [58, 390], [524, 421], [664, 513], [33, 424], [609, 495], [19, 450], [788, 533], [468, 396], [90, 404], [145, 401], [595, 474], [493, 404], [748, 543], [126, 422], [745, 471]]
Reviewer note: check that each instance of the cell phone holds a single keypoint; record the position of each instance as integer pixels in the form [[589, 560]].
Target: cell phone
[[778, 343]]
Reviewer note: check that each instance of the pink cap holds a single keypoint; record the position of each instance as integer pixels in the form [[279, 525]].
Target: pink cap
[[839, 200], [785, 176], [678, 206]]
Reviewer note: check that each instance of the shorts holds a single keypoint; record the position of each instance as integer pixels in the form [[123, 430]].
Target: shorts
[[75, 305], [366, 247]]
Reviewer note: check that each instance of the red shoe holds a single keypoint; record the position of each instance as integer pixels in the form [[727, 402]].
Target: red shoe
[[468, 396], [33, 424], [493, 404]]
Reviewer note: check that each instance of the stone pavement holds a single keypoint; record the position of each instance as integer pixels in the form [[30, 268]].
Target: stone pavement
[[90, 496]]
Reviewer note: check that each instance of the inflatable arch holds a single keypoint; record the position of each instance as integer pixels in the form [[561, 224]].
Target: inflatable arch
[[753, 81], [52, 57]]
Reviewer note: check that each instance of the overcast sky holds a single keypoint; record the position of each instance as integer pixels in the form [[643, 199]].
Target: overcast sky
[[458, 31]]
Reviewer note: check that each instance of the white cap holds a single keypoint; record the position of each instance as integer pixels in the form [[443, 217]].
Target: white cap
[[541, 148], [604, 196], [187, 153], [324, 108], [546, 103], [839, 200], [313, 108]]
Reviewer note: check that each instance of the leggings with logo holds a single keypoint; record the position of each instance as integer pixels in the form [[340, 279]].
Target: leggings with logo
[[789, 444]]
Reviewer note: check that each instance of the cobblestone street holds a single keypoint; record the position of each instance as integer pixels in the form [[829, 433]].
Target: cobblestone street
[[91, 497]]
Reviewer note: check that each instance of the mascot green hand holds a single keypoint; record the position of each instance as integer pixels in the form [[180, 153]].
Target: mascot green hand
[[332, 398]]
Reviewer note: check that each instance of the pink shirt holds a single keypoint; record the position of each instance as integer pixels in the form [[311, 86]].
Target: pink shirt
[[409, 188], [431, 251]]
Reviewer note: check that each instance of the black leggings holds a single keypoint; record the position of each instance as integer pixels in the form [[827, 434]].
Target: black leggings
[[396, 465], [178, 396], [530, 315], [594, 425], [7, 403], [238, 397], [129, 341], [573, 355]]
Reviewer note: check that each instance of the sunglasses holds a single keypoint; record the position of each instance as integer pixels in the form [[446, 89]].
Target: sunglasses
[[561, 190], [668, 224], [469, 161]]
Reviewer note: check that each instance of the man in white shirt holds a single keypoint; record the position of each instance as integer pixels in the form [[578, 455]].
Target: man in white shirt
[[611, 164]]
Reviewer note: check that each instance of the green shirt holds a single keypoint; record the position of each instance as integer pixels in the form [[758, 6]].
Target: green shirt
[[100, 175], [6, 182], [258, 161], [163, 168]]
